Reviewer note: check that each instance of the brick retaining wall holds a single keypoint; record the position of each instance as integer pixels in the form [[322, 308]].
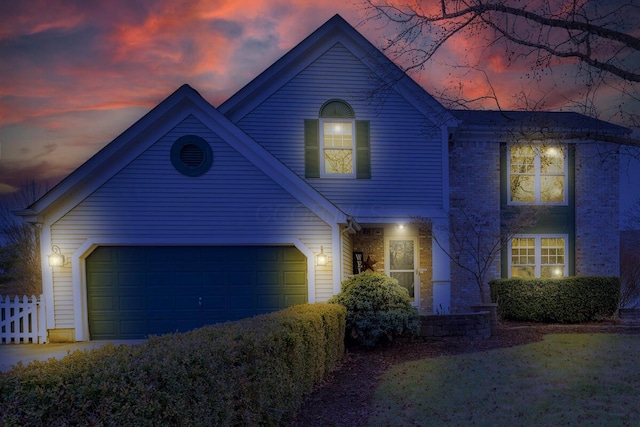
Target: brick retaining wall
[[469, 325]]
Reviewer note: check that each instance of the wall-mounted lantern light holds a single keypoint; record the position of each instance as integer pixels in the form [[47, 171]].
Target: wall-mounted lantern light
[[321, 258], [56, 259]]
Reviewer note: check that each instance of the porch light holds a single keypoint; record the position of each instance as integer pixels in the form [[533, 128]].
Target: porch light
[[321, 258], [56, 259]]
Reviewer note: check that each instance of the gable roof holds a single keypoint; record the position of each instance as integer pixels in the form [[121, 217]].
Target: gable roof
[[145, 132], [335, 30]]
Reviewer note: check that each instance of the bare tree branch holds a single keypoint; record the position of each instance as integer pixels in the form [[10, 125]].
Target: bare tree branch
[[474, 245], [576, 39], [599, 40]]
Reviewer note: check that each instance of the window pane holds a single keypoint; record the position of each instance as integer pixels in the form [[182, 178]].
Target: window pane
[[552, 160], [537, 174], [522, 188], [523, 252], [552, 189], [553, 257], [406, 281], [338, 135], [523, 272], [523, 160], [338, 161], [401, 255], [338, 147], [549, 271]]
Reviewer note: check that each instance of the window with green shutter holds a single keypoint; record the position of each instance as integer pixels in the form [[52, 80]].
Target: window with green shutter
[[337, 145]]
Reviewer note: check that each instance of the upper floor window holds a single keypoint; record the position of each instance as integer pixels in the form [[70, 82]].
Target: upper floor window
[[537, 174], [336, 144], [538, 256]]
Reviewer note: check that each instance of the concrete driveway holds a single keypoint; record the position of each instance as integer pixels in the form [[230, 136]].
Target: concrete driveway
[[11, 354]]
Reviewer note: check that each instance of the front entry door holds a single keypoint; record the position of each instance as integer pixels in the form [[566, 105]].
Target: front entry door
[[402, 263]]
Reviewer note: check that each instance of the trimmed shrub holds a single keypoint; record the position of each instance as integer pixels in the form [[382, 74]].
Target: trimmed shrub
[[565, 300], [378, 309], [249, 372]]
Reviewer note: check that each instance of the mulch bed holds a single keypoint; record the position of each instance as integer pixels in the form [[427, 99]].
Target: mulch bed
[[343, 398]]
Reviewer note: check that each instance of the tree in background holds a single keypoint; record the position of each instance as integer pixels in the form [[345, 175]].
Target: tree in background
[[590, 45], [20, 270], [475, 244]]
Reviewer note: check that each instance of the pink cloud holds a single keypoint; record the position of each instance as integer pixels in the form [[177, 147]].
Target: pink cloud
[[75, 74]]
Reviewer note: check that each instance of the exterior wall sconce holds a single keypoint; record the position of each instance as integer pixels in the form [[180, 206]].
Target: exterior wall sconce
[[321, 258], [56, 259]]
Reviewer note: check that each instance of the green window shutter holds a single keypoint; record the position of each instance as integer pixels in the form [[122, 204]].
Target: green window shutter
[[363, 150], [311, 148]]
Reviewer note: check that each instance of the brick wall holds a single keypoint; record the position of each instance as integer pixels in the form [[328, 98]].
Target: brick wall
[[474, 169], [426, 273], [370, 241], [597, 235]]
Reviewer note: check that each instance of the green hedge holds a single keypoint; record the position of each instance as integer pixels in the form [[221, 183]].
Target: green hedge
[[566, 300], [254, 371]]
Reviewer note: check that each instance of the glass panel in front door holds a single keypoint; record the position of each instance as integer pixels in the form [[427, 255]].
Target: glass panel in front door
[[402, 264]]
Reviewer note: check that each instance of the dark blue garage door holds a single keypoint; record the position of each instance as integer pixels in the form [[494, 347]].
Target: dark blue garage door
[[134, 292]]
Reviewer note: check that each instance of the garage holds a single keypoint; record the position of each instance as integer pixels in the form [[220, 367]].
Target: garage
[[135, 291]]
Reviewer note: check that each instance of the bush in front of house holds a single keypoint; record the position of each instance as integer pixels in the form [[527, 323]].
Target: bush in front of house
[[250, 372], [564, 300], [378, 309]]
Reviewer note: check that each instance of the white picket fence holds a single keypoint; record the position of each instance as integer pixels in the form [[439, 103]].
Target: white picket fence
[[22, 320]]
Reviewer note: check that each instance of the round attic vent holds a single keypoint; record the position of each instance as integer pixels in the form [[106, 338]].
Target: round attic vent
[[191, 155]]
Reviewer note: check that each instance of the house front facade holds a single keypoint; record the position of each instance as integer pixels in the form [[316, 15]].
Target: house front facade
[[322, 167]]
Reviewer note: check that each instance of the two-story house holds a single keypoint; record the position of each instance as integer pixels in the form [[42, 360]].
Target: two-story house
[[314, 171]]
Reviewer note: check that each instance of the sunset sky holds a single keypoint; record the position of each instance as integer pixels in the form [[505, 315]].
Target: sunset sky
[[75, 74]]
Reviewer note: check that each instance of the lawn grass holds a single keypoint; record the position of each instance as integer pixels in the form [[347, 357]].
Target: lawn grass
[[565, 380]]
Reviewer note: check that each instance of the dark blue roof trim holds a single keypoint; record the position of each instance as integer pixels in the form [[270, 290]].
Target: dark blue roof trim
[[536, 120]]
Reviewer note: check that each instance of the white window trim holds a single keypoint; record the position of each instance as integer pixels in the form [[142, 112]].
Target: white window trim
[[537, 176], [352, 122], [538, 248]]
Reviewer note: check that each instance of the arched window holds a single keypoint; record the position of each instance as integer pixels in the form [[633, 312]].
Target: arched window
[[336, 144], [336, 109]]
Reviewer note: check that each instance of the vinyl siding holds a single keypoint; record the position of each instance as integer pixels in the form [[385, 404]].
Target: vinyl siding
[[150, 199], [406, 148]]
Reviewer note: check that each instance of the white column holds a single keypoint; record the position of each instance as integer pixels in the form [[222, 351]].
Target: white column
[[47, 275], [441, 266], [336, 257]]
